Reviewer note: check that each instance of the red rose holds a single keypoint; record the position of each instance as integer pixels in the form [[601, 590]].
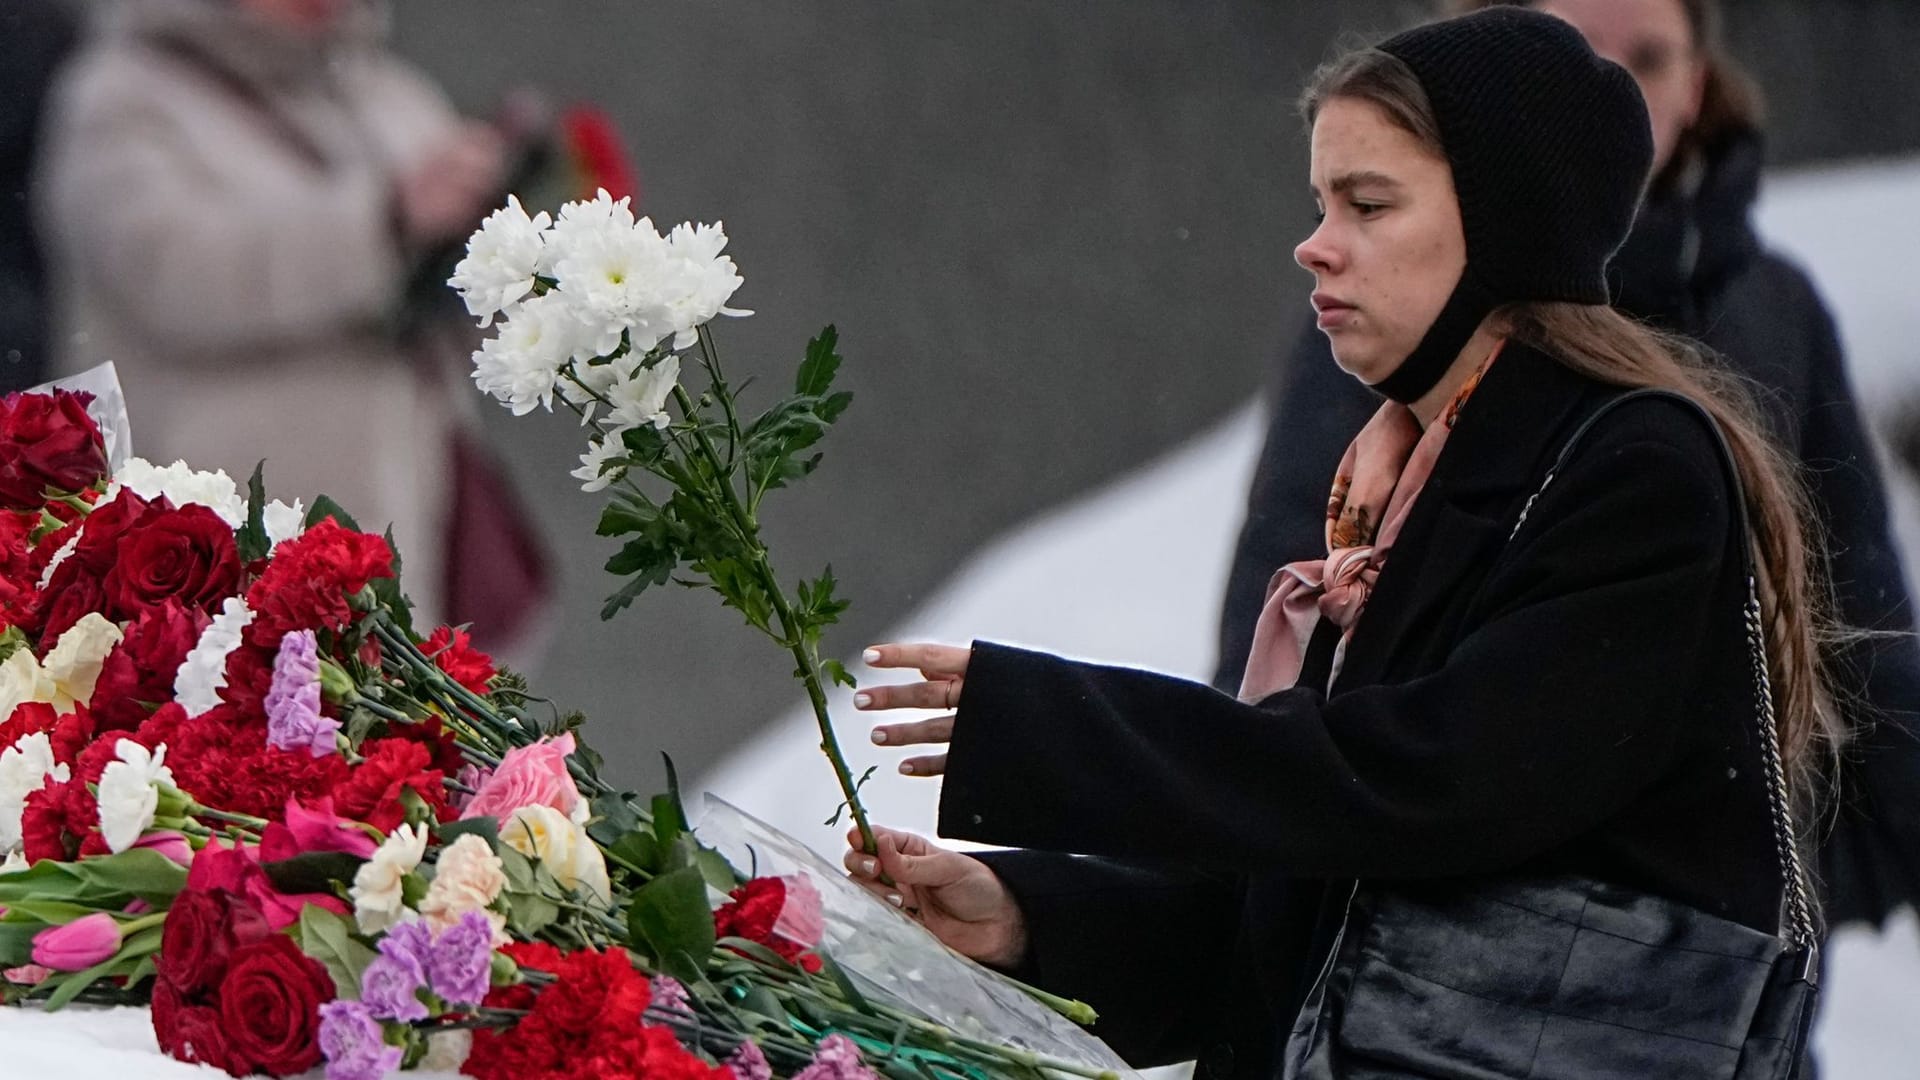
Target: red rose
[[186, 555], [190, 1033], [371, 793], [270, 1007], [45, 548], [64, 603], [453, 652], [139, 671], [48, 441], [78, 583], [309, 581], [203, 928]]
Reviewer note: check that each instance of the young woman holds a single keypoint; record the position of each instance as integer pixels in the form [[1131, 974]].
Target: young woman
[[1453, 691]]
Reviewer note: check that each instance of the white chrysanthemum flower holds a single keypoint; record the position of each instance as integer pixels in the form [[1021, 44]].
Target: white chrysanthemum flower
[[641, 399], [378, 887], [283, 522], [182, 484], [502, 256], [593, 473], [73, 664], [203, 674], [22, 679], [704, 278], [520, 366], [24, 769], [128, 793], [603, 215], [619, 281]]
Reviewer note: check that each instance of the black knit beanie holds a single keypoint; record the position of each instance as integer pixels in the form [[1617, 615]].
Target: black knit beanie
[[1550, 148]]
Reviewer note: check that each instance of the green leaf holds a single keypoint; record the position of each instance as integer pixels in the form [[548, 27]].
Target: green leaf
[[517, 868], [639, 849], [485, 827], [837, 672], [760, 1002], [714, 867], [818, 369], [625, 596], [71, 986], [387, 591], [612, 818], [839, 976], [251, 539], [107, 882], [324, 507], [670, 918], [669, 813], [313, 872], [331, 939], [49, 912], [529, 913]]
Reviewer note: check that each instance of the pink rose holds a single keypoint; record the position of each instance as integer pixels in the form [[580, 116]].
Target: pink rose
[[530, 776], [79, 945]]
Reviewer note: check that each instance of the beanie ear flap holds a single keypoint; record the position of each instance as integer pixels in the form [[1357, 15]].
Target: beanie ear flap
[[1466, 308]]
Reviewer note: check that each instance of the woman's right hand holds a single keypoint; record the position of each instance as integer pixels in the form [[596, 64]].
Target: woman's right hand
[[956, 896]]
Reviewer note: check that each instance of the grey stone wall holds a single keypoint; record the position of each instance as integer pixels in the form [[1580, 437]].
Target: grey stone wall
[[1056, 236]]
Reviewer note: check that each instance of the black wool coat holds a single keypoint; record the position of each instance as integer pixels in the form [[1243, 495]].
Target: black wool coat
[[1695, 265], [1575, 699]]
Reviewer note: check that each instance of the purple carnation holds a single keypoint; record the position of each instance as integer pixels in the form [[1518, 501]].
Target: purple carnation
[[749, 1063], [390, 987], [836, 1058], [354, 1043], [293, 702], [670, 996], [460, 967]]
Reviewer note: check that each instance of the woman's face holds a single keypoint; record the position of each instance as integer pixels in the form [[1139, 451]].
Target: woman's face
[[1390, 246], [1654, 42]]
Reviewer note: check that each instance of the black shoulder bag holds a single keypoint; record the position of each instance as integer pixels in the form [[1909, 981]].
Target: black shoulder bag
[[1563, 978]]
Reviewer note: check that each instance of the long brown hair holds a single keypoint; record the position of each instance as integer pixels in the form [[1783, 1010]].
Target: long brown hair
[[1605, 345], [1730, 104]]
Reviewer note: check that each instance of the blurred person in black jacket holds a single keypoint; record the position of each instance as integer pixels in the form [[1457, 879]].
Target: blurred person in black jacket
[[1692, 264], [35, 37]]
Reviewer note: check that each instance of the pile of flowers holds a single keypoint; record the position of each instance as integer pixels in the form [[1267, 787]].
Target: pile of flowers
[[237, 782]]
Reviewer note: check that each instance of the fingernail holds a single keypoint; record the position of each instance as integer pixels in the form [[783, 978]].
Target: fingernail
[[869, 866], [871, 656], [907, 767], [862, 700], [896, 899], [879, 736]]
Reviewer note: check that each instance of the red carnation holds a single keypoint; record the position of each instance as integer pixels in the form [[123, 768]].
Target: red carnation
[[29, 717], [185, 555], [754, 913], [309, 581], [270, 1005], [43, 827], [372, 792], [48, 441], [453, 652], [223, 759]]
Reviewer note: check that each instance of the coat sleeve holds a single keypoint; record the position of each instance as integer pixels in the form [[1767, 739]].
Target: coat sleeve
[[1317, 410], [1098, 931], [208, 255], [1549, 715], [1873, 853]]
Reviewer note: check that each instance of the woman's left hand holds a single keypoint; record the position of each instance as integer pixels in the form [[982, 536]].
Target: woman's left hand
[[944, 671]]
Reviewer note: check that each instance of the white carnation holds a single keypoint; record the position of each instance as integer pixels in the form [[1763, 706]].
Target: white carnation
[[128, 794], [182, 484], [378, 886], [203, 674], [283, 522], [24, 768], [593, 473], [640, 400], [520, 365], [502, 256], [73, 664]]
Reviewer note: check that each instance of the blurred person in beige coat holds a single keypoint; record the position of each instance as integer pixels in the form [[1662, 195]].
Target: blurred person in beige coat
[[236, 193]]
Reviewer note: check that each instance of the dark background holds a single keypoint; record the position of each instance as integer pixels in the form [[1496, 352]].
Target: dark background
[[1056, 238]]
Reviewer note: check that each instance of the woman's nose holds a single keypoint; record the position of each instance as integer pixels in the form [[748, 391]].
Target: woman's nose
[[1317, 252]]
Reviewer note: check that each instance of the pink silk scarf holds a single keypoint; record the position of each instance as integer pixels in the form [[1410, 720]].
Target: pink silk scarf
[[1379, 477]]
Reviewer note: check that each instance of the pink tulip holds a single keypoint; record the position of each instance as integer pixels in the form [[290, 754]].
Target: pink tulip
[[318, 829], [171, 844], [26, 975], [528, 776], [79, 945]]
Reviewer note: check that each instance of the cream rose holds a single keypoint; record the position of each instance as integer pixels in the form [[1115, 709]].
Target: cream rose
[[562, 846], [73, 664]]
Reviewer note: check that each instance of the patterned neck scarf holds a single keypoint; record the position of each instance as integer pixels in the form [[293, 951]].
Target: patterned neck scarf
[[1379, 477]]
